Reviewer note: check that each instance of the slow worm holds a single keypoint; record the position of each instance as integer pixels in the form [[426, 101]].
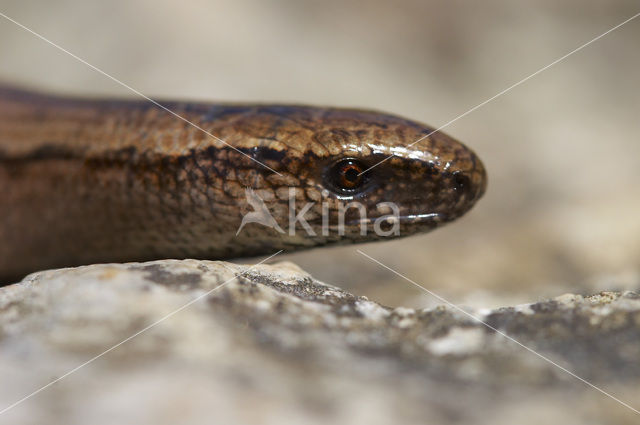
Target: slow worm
[[100, 180]]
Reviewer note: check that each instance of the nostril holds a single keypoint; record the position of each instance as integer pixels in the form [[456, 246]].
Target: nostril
[[461, 181]]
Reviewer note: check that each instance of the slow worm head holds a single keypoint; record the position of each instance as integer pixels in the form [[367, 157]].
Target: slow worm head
[[85, 180]]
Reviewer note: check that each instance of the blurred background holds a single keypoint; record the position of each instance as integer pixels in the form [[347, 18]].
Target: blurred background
[[562, 211]]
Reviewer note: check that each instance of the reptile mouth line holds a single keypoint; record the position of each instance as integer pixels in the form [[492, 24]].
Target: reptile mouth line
[[423, 218], [404, 219]]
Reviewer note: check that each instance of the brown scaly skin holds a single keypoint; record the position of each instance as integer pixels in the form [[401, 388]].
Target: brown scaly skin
[[84, 181]]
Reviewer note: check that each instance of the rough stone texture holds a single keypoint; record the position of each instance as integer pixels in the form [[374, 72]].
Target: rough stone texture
[[273, 346]]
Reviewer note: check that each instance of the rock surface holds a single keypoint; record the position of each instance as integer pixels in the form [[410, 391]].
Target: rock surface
[[217, 342]]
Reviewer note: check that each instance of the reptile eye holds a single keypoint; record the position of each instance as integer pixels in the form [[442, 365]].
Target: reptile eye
[[345, 176]]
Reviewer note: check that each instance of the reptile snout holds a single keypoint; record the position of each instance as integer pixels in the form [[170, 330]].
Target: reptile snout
[[465, 185]]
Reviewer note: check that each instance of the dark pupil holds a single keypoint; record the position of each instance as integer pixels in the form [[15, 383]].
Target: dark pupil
[[346, 176], [351, 175]]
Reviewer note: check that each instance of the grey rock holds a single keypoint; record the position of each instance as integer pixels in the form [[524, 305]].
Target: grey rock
[[202, 342]]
